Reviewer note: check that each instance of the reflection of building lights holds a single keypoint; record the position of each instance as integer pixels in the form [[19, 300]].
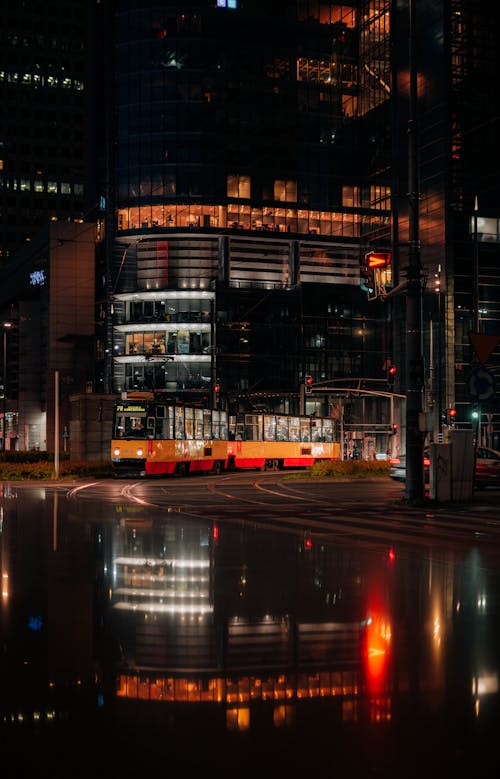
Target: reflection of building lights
[[485, 684], [164, 608], [5, 585]]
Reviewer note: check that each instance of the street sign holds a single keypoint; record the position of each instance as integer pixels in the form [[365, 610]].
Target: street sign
[[481, 384], [483, 345]]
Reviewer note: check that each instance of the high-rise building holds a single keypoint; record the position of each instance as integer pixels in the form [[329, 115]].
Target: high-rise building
[[47, 117], [237, 208], [49, 169]]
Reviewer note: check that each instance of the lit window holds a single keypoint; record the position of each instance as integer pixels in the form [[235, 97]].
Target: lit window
[[285, 190], [238, 186], [52, 187]]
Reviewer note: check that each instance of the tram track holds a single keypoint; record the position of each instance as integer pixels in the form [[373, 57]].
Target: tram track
[[325, 510]]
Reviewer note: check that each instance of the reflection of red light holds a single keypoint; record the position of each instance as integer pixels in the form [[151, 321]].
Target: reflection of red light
[[378, 643], [391, 555], [215, 533], [308, 543]]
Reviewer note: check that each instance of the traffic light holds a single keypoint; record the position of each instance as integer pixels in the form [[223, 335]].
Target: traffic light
[[395, 428], [367, 276], [216, 390], [391, 375], [451, 415], [308, 382], [378, 259], [370, 263]]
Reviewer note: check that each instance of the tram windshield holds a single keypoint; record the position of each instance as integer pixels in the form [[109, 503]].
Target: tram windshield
[[130, 425]]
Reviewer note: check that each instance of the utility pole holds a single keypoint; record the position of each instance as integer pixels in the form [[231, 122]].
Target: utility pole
[[414, 357]]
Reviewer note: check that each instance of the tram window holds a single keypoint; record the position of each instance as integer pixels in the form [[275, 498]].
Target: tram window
[[215, 424], [282, 428], [224, 431], [198, 423], [179, 423], [253, 427], [327, 430], [119, 427], [269, 428], [189, 423], [305, 429], [317, 433], [135, 427], [161, 428], [294, 429], [207, 424]]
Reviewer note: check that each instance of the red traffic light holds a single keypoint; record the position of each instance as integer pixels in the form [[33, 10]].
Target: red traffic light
[[393, 370], [216, 387], [378, 259], [452, 412], [309, 380]]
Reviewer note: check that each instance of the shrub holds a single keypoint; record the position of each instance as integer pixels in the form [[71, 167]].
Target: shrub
[[43, 468], [351, 468]]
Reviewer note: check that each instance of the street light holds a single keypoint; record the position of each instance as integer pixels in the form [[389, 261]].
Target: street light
[[6, 326]]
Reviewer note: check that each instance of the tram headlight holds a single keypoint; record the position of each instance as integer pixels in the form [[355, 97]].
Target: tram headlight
[[116, 451]]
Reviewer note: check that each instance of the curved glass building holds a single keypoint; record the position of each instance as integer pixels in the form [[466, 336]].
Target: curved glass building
[[238, 208]]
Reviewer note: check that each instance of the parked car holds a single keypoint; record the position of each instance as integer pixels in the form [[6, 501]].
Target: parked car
[[397, 467], [487, 467]]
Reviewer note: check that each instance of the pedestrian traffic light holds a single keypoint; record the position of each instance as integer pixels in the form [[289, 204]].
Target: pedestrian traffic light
[[391, 375], [451, 415], [308, 382], [216, 387], [395, 428]]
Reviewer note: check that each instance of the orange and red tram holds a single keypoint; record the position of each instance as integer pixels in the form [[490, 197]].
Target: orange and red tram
[[155, 436]]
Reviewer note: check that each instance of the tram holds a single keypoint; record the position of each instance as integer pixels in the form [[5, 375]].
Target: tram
[[156, 436]]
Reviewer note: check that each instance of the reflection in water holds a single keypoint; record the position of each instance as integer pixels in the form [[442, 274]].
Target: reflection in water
[[127, 630]]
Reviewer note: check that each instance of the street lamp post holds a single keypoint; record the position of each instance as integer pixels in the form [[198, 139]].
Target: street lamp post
[[6, 326], [414, 357]]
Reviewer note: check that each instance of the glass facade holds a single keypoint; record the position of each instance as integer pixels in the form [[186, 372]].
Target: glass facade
[[234, 176]]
